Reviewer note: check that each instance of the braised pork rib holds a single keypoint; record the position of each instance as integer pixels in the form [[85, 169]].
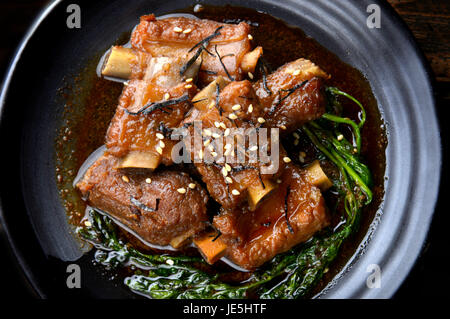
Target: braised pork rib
[[182, 72]]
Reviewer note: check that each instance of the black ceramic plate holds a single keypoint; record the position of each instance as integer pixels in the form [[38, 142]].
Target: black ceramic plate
[[34, 219]]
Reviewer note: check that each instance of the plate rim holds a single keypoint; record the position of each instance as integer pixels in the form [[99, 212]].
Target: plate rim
[[31, 282]]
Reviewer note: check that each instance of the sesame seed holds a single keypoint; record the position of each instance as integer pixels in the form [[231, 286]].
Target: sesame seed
[[227, 146], [166, 96], [228, 167], [253, 148], [224, 171], [187, 31], [87, 223], [214, 154], [250, 75], [159, 150], [188, 86], [235, 192], [283, 127], [192, 185], [169, 262], [250, 37], [296, 135], [228, 179], [232, 116], [302, 154], [227, 152], [355, 150], [301, 159], [236, 107], [211, 148], [207, 132], [279, 181], [296, 72], [159, 136], [189, 80], [215, 135], [227, 132], [296, 142], [148, 180], [177, 29], [211, 105], [340, 137], [125, 179], [181, 190], [222, 125], [286, 159], [250, 108], [200, 154], [261, 120], [162, 144], [206, 143], [216, 124]]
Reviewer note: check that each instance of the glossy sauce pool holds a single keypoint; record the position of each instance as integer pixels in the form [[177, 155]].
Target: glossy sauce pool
[[90, 103]]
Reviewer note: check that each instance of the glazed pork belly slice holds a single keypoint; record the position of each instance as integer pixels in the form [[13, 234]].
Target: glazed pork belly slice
[[223, 49], [292, 214], [161, 208], [292, 95], [138, 131], [230, 179]]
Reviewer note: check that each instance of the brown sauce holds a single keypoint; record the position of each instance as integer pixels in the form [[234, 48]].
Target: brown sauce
[[90, 103]]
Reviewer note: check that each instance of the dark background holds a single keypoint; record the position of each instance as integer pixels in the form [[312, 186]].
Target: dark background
[[429, 20]]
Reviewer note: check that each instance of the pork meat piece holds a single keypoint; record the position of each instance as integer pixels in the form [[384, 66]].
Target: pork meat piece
[[222, 55], [133, 133], [297, 95], [232, 168], [152, 205], [290, 215]]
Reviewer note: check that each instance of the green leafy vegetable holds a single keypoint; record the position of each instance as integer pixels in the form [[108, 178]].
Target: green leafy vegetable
[[102, 234]]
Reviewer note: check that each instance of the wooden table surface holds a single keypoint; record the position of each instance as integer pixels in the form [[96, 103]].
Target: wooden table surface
[[429, 20]]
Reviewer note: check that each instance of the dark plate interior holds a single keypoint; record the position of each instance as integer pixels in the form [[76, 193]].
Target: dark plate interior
[[30, 117]]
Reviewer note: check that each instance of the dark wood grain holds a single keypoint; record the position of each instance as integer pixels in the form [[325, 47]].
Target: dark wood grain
[[430, 23]]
